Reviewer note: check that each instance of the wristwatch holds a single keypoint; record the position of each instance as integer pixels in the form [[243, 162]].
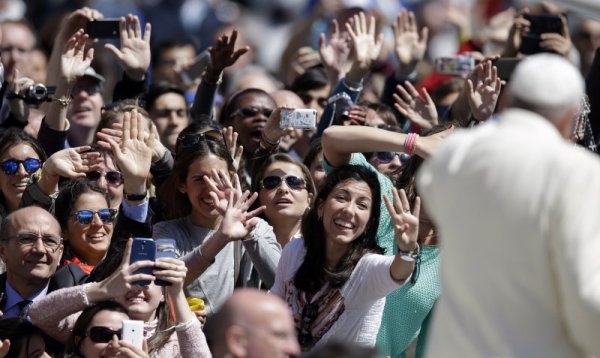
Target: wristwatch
[[136, 197]]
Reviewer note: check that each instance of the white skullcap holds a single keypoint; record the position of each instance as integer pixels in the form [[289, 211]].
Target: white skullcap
[[546, 81]]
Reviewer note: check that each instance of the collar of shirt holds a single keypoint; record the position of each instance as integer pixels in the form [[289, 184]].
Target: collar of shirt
[[11, 308]]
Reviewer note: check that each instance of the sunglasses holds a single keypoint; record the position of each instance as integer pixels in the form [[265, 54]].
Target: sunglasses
[[191, 140], [102, 334], [85, 217], [113, 177], [11, 166], [386, 157], [252, 112], [309, 314], [292, 181]]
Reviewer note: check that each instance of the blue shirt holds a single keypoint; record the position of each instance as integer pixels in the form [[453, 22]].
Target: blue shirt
[[13, 298]]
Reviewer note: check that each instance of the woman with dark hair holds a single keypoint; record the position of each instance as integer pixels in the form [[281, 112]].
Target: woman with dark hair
[[167, 336], [20, 158], [335, 279], [86, 219], [313, 161], [26, 340], [285, 188], [225, 262]]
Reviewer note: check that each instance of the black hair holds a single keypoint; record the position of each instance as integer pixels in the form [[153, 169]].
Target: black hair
[[160, 48], [231, 104], [158, 89], [18, 331], [312, 273], [313, 78], [13, 136], [315, 148]]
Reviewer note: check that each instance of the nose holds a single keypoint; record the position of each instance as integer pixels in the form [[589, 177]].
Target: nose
[[395, 163], [96, 220], [21, 171], [38, 245], [292, 348], [102, 183]]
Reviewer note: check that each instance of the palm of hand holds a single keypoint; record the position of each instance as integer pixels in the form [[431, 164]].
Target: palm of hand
[[408, 48], [234, 223], [135, 158], [409, 235], [135, 51], [336, 53], [484, 99], [67, 163], [73, 64]]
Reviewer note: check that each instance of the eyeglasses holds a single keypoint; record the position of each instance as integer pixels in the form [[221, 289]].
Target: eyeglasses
[[11, 166], [102, 334], [292, 181], [191, 140], [86, 217], [113, 177], [252, 112], [29, 239], [386, 157], [309, 314]]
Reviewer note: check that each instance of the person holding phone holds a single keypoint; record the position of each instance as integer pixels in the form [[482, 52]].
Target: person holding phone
[[166, 336]]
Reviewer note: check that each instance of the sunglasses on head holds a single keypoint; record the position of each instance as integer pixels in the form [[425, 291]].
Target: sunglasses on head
[[112, 177], [386, 157], [11, 166], [86, 217], [102, 334], [292, 181], [191, 140], [252, 112]]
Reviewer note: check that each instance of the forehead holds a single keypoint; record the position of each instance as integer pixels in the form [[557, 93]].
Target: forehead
[[354, 187], [20, 151], [206, 163], [110, 319], [175, 52], [14, 32], [90, 200], [254, 99], [170, 100], [283, 168], [38, 222]]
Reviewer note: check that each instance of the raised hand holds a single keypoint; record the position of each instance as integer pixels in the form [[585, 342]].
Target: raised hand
[[134, 54], [418, 108], [483, 90], [519, 27], [72, 163], [236, 151], [406, 223], [335, 56], [558, 43], [409, 45], [75, 21], [304, 58], [173, 271], [123, 349], [237, 222], [133, 154], [220, 184], [74, 60], [4, 347], [223, 54], [357, 116], [272, 129], [366, 45]]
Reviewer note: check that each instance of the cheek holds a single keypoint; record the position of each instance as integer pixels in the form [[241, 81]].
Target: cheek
[[91, 349]]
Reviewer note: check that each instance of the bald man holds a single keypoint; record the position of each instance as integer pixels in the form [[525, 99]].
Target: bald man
[[31, 247], [254, 324]]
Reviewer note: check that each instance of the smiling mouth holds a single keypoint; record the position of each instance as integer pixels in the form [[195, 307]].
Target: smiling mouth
[[136, 299], [346, 225]]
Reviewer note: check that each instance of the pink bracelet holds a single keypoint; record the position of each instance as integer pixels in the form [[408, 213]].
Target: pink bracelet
[[409, 143]]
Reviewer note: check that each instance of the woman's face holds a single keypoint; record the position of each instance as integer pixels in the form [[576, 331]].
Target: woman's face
[[106, 319], [283, 201], [346, 212], [250, 117], [89, 242], [195, 188], [142, 304], [13, 186], [317, 172], [34, 347], [391, 169], [113, 186]]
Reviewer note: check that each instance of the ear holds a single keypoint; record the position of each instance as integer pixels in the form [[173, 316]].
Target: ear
[[236, 341], [182, 187]]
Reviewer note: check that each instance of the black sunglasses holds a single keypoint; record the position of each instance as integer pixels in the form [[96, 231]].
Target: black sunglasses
[[386, 157], [292, 181], [113, 177], [11, 166], [191, 140], [102, 334], [86, 217], [309, 314], [252, 112]]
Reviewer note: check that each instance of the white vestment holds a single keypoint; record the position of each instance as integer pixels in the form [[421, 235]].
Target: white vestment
[[518, 212]]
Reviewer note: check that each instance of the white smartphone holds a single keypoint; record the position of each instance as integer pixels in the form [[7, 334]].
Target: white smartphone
[[298, 118], [133, 332]]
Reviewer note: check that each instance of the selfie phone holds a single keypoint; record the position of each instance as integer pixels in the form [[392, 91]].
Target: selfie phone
[[539, 24], [143, 249], [298, 118], [455, 66], [103, 29], [133, 332], [165, 248], [505, 66], [196, 69]]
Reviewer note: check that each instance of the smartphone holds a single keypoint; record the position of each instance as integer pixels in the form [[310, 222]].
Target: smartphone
[[539, 24], [165, 248], [455, 66], [133, 332], [505, 66], [298, 118], [196, 69], [143, 249], [103, 29]]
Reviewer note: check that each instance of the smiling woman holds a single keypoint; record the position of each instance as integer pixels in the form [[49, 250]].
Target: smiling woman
[[20, 157]]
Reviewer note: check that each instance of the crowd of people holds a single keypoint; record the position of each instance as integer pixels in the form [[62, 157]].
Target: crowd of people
[[441, 205]]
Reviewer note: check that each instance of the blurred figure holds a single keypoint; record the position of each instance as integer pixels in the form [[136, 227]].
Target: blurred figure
[[17, 42], [254, 324], [586, 39]]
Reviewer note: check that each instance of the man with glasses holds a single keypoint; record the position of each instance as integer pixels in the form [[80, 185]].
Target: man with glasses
[[31, 247]]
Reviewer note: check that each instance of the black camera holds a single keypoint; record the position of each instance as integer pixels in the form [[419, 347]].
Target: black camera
[[342, 103], [38, 93]]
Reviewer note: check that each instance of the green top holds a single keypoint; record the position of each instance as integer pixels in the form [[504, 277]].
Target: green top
[[406, 308]]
